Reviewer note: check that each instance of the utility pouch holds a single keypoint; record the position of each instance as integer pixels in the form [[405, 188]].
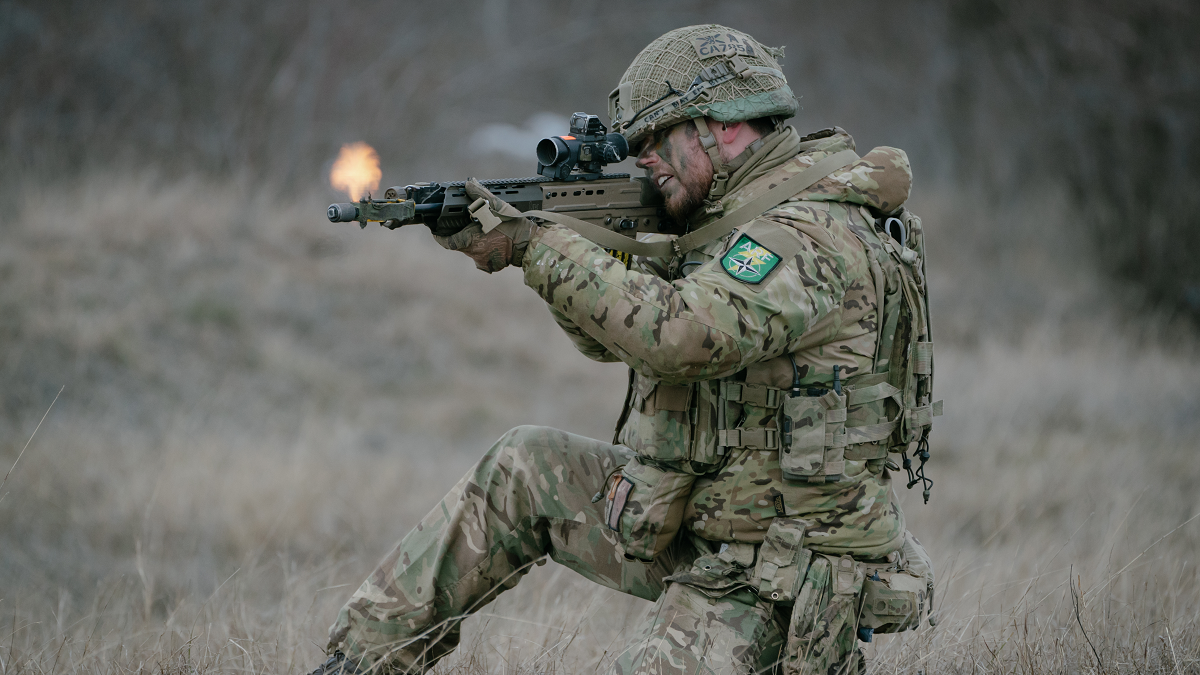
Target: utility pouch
[[782, 561], [645, 505], [715, 575], [896, 600], [814, 437], [803, 442], [673, 423], [663, 427], [893, 601], [822, 627]]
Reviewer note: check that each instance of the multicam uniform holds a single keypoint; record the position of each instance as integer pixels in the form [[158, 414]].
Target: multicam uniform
[[691, 508]]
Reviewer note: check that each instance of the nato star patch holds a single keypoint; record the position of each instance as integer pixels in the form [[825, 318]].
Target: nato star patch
[[749, 261]]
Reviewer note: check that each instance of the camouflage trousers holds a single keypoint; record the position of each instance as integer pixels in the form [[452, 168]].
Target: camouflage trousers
[[530, 496]]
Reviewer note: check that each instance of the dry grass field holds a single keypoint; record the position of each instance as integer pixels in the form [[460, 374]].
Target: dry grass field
[[256, 404]]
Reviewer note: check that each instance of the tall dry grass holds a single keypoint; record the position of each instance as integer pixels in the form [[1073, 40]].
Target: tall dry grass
[[258, 404]]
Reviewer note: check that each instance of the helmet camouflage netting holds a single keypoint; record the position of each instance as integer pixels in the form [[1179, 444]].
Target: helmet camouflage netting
[[700, 71]]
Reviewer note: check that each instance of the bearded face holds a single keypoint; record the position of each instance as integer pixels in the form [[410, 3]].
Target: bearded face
[[678, 168]]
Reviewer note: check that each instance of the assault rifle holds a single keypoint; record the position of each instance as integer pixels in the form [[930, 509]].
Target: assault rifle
[[570, 181]]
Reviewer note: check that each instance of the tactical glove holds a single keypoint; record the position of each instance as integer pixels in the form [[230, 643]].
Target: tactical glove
[[499, 236]]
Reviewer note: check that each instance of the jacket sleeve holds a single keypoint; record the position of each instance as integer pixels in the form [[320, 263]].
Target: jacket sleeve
[[705, 326], [586, 344]]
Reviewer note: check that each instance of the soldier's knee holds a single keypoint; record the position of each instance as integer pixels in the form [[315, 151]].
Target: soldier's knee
[[524, 433], [515, 445]]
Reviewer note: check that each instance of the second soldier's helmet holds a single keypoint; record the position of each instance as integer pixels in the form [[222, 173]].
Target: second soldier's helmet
[[699, 71]]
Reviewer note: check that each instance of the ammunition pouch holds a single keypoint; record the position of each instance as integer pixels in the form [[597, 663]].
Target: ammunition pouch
[[782, 561], [819, 433], [814, 437], [840, 599], [897, 596], [835, 599], [823, 619], [673, 424]]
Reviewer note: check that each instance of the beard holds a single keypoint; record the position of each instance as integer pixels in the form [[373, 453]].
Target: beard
[[683, 201], [686, 201], [693, 172]]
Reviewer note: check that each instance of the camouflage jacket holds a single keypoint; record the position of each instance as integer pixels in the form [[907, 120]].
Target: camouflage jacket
[[705, 344]]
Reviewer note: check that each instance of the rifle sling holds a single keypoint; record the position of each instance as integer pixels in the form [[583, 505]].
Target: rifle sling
[[787, 188]]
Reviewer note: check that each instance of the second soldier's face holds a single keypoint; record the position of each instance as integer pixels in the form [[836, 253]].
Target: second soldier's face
[[678, 167]]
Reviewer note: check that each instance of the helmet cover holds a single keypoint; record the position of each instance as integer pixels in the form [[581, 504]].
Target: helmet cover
[[700, 71]]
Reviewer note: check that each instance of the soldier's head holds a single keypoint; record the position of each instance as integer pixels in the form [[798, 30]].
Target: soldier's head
[[692, 102]]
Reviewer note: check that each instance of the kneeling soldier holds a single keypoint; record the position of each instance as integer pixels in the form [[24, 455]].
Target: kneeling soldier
[[779, 351]]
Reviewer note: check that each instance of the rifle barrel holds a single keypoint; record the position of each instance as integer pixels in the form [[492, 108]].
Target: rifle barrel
[[342, 213]]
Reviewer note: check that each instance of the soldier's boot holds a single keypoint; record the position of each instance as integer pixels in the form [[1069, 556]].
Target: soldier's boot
[[337, 664], [529, 496]]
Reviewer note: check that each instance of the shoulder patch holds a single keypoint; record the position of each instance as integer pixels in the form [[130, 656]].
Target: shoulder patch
[[625, 258], [749, 261]]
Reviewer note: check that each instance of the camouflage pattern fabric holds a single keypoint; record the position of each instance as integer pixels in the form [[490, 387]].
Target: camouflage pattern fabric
[[687, 332], [645, 99], [820, 306], [822, 637], [531, 496], [690, 631]]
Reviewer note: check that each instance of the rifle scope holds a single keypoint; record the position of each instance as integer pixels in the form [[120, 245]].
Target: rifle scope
[[586, 147]]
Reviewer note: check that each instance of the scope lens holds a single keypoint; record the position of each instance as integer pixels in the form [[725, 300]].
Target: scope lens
[[552, 151], [620, 145]]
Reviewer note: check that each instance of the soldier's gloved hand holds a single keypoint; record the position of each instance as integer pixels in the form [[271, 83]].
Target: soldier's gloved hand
[[498, 238]]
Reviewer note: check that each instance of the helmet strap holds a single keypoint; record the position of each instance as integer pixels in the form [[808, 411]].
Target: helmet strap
[[720, 171]]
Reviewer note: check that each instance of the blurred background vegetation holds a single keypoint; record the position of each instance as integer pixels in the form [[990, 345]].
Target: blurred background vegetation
[[1098, 99], [252, 393]]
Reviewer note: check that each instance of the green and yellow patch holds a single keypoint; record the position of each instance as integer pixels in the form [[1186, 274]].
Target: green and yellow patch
[[625, 258], [749, 261]]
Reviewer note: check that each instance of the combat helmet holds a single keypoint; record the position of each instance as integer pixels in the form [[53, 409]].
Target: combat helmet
[[695, 72]]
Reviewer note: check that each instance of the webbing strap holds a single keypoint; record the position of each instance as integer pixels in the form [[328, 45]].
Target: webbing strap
[[922, 358], [607, 238], [836, 439], [755, 394], [870, 433], [866, 452], [920, 416], [757, 438], [720, 174], [785, 190], [870, 394]]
